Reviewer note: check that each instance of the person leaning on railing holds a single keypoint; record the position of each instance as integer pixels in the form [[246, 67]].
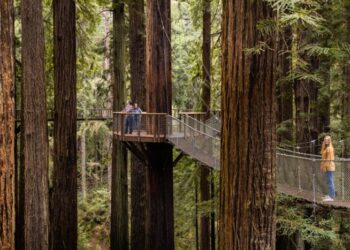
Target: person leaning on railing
[[328, 166], [128, 123], [137, 115]]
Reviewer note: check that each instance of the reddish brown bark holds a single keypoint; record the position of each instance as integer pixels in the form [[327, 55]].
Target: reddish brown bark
[[138, 168], [7, 126], [247, 181], [119, 208], [160, 216], [64, 229], [34, 128]]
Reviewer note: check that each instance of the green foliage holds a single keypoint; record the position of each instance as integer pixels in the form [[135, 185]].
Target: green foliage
[[326, 228], [93, 219]]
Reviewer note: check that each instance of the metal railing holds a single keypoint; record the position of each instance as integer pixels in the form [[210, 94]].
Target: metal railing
[[200, 126], [144, 126], [194, 142], [82, 114]]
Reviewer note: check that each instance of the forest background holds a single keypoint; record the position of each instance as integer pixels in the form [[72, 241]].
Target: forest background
[[315, 37]]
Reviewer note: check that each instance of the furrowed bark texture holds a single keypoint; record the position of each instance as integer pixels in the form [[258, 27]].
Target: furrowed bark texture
[[138, 93], [7, 126], [34, 128], [119, 210], [247, 181], [64, 229], [160, 210]]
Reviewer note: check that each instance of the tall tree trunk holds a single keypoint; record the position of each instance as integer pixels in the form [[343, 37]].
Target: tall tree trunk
[[285, 88], [119, 210], [64, 229], [34, 124], [247, 181], [305, 94], [346, 91], [323, 105], [138, 168], [7, 126], [206, 69], [160, 207]]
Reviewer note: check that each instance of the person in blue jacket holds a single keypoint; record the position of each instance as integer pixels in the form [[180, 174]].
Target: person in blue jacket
[[137, 115]]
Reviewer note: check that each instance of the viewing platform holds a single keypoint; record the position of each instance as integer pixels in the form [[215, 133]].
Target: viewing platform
[[145, 127]]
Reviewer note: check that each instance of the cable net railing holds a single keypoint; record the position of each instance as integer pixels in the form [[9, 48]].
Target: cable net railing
[[298, 174], [302, 176], [200, 126], [194, 141]]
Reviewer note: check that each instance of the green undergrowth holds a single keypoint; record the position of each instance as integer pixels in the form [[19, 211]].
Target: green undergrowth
[[321, 227]]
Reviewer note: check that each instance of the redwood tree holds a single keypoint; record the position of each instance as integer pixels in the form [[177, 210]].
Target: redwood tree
[[7, 126], [247, 181], [206, 69], [119, 209], [34, 127], [138, 168], [160, 207], [64, 230]]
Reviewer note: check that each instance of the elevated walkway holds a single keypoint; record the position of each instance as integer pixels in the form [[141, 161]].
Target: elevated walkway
[[298, 174]]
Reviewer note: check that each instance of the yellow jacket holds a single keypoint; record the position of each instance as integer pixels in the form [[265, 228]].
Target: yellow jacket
[[328, 160]]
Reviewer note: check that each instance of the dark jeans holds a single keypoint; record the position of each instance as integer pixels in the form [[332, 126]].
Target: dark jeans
[[136, 121], [128, 124]]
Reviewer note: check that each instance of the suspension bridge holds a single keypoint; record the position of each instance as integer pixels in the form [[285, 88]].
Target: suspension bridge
[[298, 174]]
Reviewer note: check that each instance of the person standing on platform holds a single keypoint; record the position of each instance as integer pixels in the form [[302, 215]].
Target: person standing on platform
[[328, 166], [137, 115], [128, 123]]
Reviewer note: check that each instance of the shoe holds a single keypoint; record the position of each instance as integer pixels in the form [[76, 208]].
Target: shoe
[[327, 199]]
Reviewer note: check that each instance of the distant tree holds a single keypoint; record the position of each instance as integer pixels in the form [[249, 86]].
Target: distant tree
[[138, 168], [119, 209], [7, 126], [160, 207], [247, 181], [346, 87], [34, 127], [206, 93], [285, 87], [64, 229]]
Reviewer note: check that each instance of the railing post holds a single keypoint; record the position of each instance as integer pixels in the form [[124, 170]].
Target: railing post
[[299, 182], [342, 170], [314, 184]]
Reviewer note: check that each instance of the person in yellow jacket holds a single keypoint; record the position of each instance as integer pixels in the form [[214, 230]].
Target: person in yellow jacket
[[328, 166]]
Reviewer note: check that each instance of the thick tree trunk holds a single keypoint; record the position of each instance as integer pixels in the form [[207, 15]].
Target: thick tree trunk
[[206, 69], [160, 210], [247, 181], [64, 229], [7, 126], [119, 209], [160, 207], [138, 169], [34, 124], [285, 88]]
